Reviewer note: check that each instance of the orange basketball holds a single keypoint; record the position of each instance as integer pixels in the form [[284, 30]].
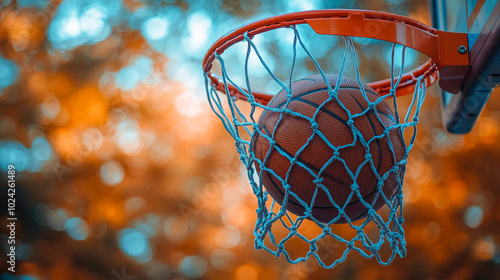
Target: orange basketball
[[314, 161]]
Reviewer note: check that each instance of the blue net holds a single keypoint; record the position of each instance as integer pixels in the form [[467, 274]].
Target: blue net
[[291, 216]]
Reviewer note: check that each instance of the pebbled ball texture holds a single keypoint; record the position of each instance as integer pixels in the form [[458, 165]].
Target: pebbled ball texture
[[292, 133]]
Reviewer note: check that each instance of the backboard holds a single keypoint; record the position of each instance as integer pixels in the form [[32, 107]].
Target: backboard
[[480, 20]]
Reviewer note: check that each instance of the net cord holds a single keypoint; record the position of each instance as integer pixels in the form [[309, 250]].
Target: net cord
[[269, 212]]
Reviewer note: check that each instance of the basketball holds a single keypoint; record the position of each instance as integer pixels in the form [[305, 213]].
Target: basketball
[[352, 148]]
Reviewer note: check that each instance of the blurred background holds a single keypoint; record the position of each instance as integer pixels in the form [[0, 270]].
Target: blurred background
[[123, 171]]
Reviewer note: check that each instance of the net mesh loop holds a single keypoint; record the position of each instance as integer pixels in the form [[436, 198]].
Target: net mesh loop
[[240, 120]]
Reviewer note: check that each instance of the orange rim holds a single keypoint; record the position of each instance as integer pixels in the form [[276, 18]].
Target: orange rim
[[446, 62]]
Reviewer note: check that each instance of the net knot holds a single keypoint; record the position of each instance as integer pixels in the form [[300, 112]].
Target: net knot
[[341, 212], [272, 142], [380, 184], [374, 248], [336, 154], [371, 105], [267, 226], [371, 212], [313, 247], [258, 243], [308, 212], [250, 98], [368, 156], [327, 230], [350, 122], [245, 35], [314, 125], [286, 187], [318, 181], [279, 250], [287, 111], [354, 187]]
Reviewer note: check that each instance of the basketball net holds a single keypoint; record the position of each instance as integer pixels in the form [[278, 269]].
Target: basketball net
[[298, 238]]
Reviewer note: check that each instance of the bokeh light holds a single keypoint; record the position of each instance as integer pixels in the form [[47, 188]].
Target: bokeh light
[[135, 244], [33, 3], [473, 216], [8, 73], [76, 228], [193, 266], [111, 173], [155, 28], [82, 22], [15, 153], [199, 26], [27, 277]]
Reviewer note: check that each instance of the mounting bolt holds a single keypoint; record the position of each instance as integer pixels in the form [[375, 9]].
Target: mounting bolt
[[462, 49]]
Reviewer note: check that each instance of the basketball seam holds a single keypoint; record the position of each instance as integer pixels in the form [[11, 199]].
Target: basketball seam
[[315, 105], [304, 79], [267, 131], [380, 154], [307, 164], [387, 115], [374, 133]]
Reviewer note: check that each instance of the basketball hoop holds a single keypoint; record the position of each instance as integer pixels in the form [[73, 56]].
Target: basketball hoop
[[443, 48], [287, 135]]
